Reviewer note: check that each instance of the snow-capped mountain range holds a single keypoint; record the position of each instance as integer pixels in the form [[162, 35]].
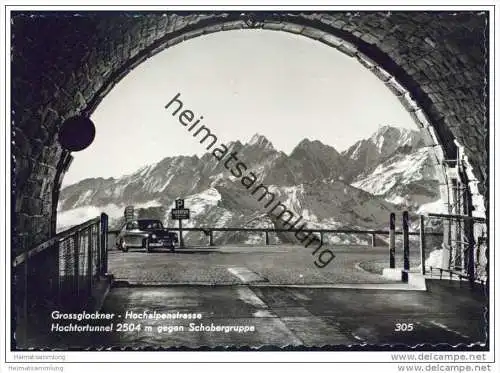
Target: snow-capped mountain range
[[358, 188]]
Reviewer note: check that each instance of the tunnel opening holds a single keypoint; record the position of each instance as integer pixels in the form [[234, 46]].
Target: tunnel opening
[[417, 62], [446, 155], [387, 81]]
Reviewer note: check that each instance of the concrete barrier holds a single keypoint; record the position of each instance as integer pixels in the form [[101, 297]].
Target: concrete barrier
[[415, 279]]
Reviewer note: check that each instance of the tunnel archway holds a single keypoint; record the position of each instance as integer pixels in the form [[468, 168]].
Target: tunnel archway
[[435, 62]]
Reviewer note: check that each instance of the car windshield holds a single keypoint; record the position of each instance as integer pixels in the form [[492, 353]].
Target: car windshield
[[149, 224]]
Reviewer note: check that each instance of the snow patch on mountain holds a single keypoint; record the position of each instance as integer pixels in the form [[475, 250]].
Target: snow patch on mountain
[[198, 204], [404, 179], [309, 216], [290, 196], [390, 168], [400, 169], [84, 197]]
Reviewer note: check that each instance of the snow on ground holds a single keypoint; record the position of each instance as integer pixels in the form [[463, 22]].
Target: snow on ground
[[145, 205], [436, 207], [479, 209], [397, 200], [435, 259]]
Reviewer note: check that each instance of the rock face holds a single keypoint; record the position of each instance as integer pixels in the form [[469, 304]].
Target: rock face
[[358, 188], [365, 155], [405, 179]]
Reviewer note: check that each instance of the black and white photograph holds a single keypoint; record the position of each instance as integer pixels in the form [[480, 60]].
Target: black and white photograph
[[216, 180]]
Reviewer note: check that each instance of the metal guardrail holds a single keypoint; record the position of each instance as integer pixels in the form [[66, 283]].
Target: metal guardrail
[[454, 274], [51, 242], [208, 231], [476, 219], [61, 273], [464, 247], [431, 237]]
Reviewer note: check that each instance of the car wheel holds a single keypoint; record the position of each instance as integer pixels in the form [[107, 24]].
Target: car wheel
[[123, 246]]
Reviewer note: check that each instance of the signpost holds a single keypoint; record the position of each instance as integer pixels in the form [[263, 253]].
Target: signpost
[[129, 213], [406, 246], [180, 213], [392, 240]]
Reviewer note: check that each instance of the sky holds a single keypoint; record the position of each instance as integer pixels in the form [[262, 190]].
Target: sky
[[284, 86]]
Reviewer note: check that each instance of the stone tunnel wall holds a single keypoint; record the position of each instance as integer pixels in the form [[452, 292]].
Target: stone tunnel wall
[[64, 64]]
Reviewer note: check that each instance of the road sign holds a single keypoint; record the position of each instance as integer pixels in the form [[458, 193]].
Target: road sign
[[129, 213], [179, 203], [180, 214]]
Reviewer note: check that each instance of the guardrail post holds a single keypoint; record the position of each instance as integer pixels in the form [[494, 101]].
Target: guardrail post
[[181, 240], [470, 262], [422, 243], [267, 237], [392, 240], [321, 238], [89, 263], [447, 242], [373, 240], [76, 264], [103, 265], [406, 247], [25, 299], [211, 238]]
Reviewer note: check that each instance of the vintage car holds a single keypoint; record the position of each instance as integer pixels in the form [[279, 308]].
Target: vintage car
[[145, 234]]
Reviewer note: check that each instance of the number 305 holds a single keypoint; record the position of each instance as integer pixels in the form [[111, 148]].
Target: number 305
[[403, 327]]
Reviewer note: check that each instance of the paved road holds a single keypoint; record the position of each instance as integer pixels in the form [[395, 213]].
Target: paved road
[[238, 265], [276, 317], [280, 297], [277, 297]]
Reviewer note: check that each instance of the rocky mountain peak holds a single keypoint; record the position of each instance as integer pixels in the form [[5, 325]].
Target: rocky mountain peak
[[387, 138], [314, 146], [386, 142], [260, 141], [389, 165]]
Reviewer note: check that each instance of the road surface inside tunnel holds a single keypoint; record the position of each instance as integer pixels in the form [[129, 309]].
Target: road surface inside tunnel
[[273, 317], [296, 317], [248, 288], [274, 297]]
